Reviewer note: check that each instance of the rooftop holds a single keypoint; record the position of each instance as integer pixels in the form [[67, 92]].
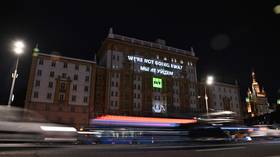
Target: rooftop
[[149, 44]]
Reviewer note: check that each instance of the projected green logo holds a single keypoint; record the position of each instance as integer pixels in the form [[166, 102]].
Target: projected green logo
[[157, 82]]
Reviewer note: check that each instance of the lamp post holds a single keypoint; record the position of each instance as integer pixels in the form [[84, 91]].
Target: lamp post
[[18, 50], [209, 81]]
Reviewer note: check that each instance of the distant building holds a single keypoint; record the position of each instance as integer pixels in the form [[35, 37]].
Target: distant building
[[256, 100], [144, 78], [61, 88], [221, 97]]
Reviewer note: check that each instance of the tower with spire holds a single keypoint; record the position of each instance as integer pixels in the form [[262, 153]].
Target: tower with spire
[[256, 100]]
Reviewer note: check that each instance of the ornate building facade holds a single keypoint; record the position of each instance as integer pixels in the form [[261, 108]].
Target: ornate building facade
[[256, 100]]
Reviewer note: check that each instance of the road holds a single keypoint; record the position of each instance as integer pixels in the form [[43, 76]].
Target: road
[[260, 149]]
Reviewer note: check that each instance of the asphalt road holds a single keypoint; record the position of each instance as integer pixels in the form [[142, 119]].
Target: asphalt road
[[260, 149]]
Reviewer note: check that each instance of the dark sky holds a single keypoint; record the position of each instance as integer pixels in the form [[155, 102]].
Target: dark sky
[[229, 37]]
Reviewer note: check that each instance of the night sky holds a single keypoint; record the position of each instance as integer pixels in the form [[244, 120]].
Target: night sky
[[230, 37]]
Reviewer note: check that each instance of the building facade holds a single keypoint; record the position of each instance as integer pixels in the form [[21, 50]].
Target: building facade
[[256, 100], [145, 78], [221, 97], [61, 88]]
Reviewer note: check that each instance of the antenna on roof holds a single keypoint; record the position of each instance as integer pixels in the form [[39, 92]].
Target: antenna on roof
[[192, 51]]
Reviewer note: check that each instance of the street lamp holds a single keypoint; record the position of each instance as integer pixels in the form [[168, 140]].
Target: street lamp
[[209, 81], [18, 50]]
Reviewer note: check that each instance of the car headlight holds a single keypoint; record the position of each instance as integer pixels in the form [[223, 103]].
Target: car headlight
[[58, 128]]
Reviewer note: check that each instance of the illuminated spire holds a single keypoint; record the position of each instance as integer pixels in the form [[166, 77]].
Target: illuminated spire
[[254, 77], [36, 49]]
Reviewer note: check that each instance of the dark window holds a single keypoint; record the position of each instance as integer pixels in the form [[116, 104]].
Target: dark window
[[52, 74], [85, 99], [118, 58], [138, 96], [41, 61], [113, 57], [50, 84], [77, 66], [113, 83], [138, 87], [116, 93], [87, 78], [49, 95], [112, 93], [62, 86], [61, 97], [87, 68], [37, 83], [86, 88], [35, 94], [63, 75], [74, 98], [117, 84], [112, 103], [53, 64], [39, 72], [116, 103], [74, 87], [75, 77], [65, 65]]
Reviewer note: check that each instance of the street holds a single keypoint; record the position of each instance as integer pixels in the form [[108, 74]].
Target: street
[[259, 149]]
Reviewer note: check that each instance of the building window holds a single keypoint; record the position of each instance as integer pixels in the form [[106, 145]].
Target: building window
[[53, 64], [35, 95], [73, 98], [75, 77], [39, 72], [116, 93], [65, 65], [62, 86], [63, 75], [113, 57], [85, 99], [87, 68], [49, 95], [50, 84], [41, 61], [117, 84], [138, 96], [74, 87], [37, 83], [112, 103], [76, 66], [112, 93], [118, 58], [52, 74], [87, 78], [86, 89], [113, 83], [61, 97], [116, 103]]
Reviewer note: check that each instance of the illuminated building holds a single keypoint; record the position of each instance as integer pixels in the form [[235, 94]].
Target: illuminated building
[[61, 88], [221, 97], [256, 100], [144, 78]]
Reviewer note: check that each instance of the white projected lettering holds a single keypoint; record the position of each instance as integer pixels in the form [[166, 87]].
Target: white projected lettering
[[158, 63]]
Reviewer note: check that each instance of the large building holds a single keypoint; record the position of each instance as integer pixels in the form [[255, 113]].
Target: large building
[[256, 100], [144, 78], [61, 88], [221, 97]]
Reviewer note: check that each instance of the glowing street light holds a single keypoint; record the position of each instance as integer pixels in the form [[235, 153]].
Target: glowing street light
[[18, 50], [209, 82]]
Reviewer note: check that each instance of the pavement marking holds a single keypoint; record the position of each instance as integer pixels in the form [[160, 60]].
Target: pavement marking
[[219, 149]]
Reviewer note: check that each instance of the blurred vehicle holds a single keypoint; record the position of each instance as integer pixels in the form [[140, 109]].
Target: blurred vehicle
[[20, 125], [208, 133], [265, 131]]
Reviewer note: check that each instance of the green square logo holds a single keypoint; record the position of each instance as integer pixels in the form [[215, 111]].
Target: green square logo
[[157, 82]]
